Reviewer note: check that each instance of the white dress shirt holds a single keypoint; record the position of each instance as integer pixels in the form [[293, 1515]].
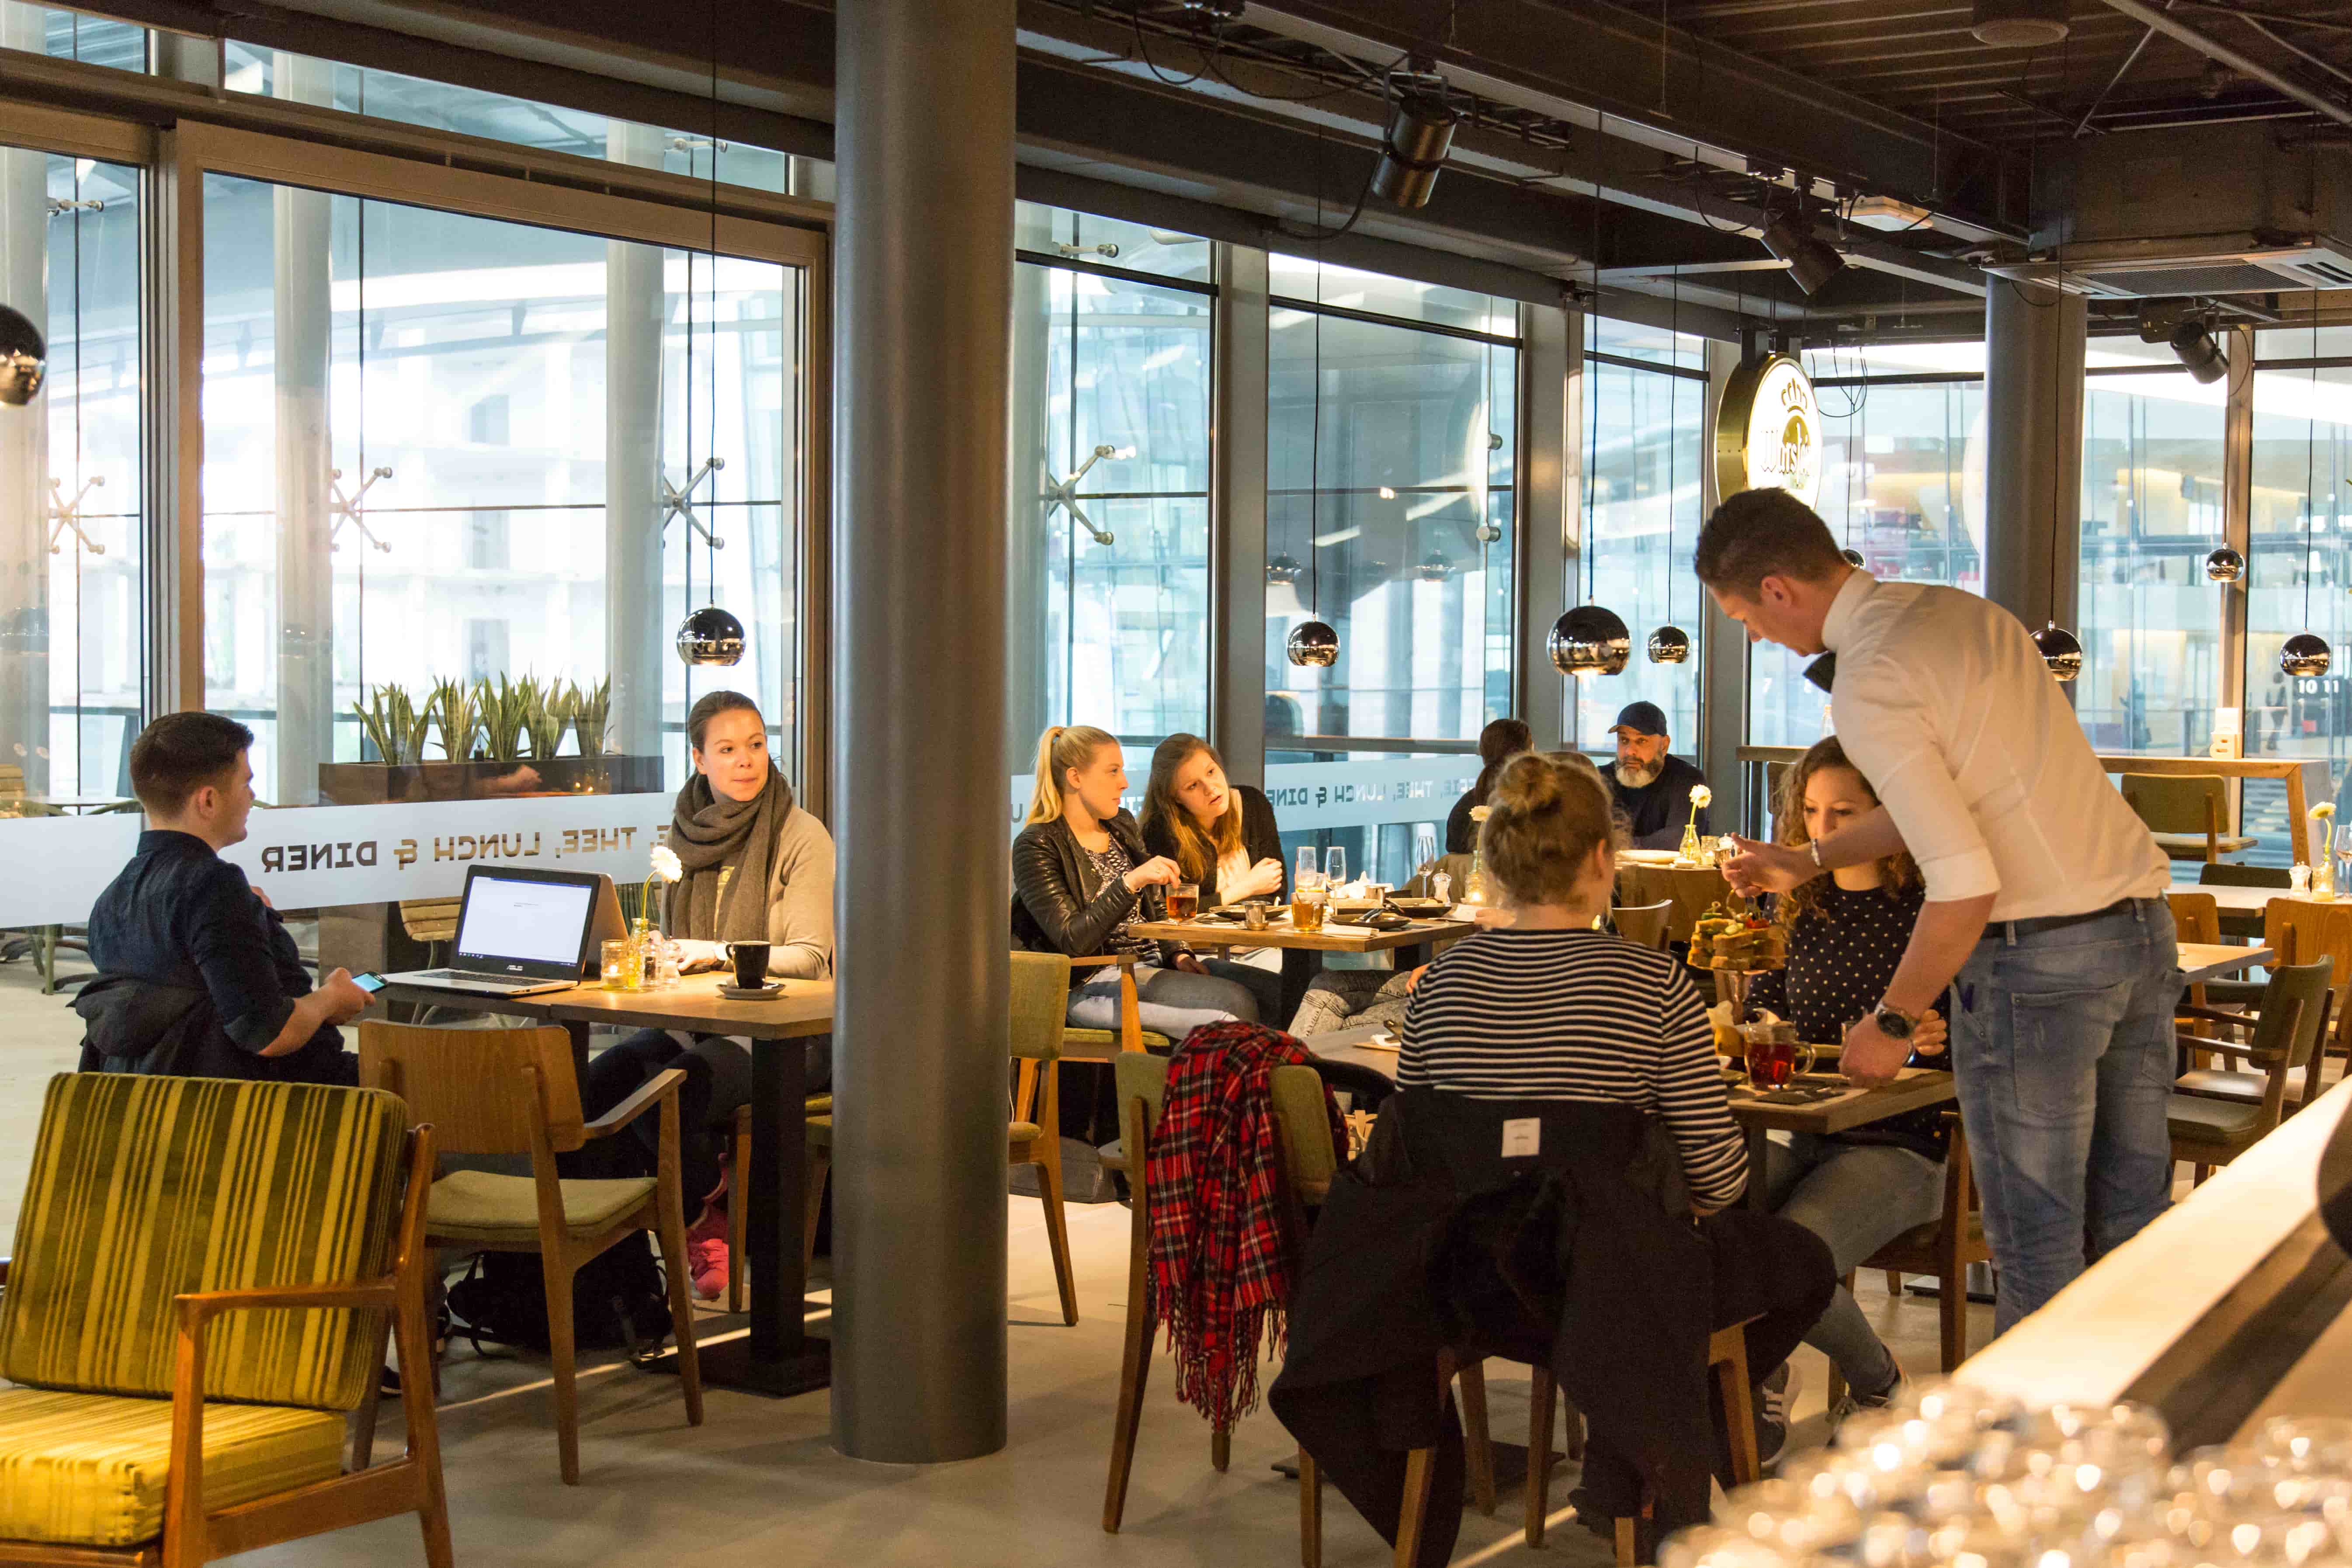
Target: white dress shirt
[[1943, 703]]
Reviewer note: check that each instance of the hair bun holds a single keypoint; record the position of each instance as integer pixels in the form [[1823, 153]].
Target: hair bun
[[1530, 784]]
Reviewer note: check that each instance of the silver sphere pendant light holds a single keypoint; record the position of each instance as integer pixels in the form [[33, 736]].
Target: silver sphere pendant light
[[1314, 645], [2225, 565], [1670, 645], [709, 636], [2306, 654], [23, 359], [1590, 640], [2061, 650]]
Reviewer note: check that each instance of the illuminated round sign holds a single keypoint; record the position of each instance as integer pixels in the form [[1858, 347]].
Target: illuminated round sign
[[1768, 434]]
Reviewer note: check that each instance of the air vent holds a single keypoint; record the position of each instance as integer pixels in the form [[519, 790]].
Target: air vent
[[2210, 266]]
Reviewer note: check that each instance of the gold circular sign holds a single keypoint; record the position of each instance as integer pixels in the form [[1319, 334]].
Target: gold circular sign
[[1768, 433]]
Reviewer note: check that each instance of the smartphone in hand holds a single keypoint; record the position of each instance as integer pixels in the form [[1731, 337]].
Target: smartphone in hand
[[370, 982]]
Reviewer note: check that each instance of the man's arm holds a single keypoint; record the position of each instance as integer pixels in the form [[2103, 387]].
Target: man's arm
[[1762, 868], [229, 936]]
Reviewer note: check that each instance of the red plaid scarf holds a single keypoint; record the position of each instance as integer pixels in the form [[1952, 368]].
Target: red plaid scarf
[[1220, 1270]]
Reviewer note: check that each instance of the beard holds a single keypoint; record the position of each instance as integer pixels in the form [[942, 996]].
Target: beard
[[1640, 775]]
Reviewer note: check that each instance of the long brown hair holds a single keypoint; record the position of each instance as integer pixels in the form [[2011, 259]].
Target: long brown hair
[[1545, 819], [1196, 852], [1499, 743], [1897, 870]]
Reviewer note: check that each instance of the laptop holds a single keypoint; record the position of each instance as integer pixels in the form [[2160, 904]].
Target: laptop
[[525, 932]]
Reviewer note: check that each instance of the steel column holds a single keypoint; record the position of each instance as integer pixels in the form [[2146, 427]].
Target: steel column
[[925, 293], [303, 314], [2034, 449], [636, 309], [1552, 460], [25, 617], [1237, 629], [1723, 647]]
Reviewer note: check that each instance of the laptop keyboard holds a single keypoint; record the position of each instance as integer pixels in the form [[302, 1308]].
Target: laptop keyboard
[[490, 982]]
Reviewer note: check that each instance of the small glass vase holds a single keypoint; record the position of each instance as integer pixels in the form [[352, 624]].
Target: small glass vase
[[2323, 879], [1689, 853], [1474, 884]]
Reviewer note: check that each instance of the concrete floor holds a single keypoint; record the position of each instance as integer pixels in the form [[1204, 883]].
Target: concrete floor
[[760, 1485]]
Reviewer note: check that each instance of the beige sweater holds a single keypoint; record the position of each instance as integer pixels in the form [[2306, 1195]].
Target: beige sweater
[[800, 899]]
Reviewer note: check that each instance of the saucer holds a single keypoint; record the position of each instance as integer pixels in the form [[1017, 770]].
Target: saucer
[[756, 994]]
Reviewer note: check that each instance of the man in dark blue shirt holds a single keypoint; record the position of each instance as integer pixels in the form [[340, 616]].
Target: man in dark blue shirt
[[1652, 785], [180, 922]]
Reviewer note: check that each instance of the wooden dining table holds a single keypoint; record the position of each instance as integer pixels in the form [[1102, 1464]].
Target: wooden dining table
[[777, 1356], [1302, 951], [2204, 961]]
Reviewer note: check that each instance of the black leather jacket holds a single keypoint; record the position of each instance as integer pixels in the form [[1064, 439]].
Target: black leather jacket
[[1059, 902]]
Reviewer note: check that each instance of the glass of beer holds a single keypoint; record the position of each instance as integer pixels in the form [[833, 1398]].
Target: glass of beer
[[1183, 900], [1307, 909]]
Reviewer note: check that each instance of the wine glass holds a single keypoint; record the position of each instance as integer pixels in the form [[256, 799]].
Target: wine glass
[[1335, 866], [1425, 846], [1308, 877]]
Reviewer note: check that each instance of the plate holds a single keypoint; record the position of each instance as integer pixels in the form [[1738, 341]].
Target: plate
[[1647, 857]]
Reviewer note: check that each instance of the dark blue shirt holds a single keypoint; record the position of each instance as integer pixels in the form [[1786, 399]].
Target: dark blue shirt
[[180, 915]]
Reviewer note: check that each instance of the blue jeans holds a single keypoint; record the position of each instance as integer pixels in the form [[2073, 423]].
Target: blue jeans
[[1857, 1197], [1168, 1001], [2062, 1042]]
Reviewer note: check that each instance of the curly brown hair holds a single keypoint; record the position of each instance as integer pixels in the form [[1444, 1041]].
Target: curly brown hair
[[1897, 870]]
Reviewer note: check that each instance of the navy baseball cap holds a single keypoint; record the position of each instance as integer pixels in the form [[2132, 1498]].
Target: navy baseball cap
[[1641, 718]]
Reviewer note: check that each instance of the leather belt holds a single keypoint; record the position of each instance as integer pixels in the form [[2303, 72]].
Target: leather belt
[[2012, 930]]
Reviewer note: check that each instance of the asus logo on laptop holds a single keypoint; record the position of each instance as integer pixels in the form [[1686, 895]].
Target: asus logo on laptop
[[514, 969]]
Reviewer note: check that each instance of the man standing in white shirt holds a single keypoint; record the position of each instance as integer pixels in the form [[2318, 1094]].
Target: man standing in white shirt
[[2045, 894]]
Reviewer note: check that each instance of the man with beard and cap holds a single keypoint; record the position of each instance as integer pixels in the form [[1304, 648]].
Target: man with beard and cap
[[1650, 785]]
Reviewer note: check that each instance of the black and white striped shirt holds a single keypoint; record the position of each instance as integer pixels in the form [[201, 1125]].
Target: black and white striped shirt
[[1577, 1014]]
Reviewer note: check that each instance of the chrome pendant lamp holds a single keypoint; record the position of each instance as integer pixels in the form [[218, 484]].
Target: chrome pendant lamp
[[1590, 640], [2061, 650], [23, 359], [1670, 644], [1313, 642], [709, 635], [2306, 654], [2225, 565]]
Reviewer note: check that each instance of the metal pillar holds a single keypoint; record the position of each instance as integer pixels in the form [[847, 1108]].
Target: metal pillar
[[924, 262], [1723, 647], [24, 450], [2034, 449], [1237, 628], [635, 595], [303, 315], [1551, 490], [1029, 703]]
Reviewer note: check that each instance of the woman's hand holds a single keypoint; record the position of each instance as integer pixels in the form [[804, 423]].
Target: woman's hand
[[1190, 962], [1160, 871], [1263, 878], [1930, 1037], [1413, 979]]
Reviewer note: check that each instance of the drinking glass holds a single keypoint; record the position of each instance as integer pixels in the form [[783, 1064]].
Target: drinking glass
[[1335, 866], [623, 966], [1183, 900], [1308, 875], [1307, 909], [1424, 845]]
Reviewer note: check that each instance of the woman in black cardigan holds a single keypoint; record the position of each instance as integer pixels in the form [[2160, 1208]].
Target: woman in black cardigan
[[1080, 874], [1222, 837]]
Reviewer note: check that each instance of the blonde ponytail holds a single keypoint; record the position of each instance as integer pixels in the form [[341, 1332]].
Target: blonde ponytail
[[1059, 749]]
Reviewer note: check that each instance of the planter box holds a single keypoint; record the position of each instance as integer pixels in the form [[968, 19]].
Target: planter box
[[375, 783]]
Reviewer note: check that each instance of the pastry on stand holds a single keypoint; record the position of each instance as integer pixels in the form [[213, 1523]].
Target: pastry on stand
[[1738, 944]]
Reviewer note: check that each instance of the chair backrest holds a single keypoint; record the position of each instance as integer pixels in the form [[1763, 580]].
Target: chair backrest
[[12, 779], [486, 1091], [2196, 916], [430, 920], [2227, 874], [145, 1188], [2177, 803], [1040, 1005], [2294, 1008], [2302, 932], [1691, 890], [1645, 925], [1140, 1081], [1305, 1125]]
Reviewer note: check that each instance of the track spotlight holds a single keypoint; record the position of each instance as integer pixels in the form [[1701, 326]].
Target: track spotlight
[[1811, 262], [2193, 343], [1420, 131]]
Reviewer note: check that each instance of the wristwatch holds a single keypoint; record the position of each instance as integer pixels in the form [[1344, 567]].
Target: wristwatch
[[1894, 1022]]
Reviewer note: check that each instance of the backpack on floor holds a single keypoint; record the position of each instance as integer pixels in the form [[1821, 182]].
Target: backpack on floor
[[618, 1300]]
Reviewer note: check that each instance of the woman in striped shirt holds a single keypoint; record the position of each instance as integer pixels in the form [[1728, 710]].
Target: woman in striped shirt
[[1544, 1006]]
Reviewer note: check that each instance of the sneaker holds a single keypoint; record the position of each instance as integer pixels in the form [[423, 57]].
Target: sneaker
[[1854, 1402], [1775, 1397], [706, 1260]]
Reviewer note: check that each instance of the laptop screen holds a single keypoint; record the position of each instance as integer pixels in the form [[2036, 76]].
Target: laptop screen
[[522, 919]]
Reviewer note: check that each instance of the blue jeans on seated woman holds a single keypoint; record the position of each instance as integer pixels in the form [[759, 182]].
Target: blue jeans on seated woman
[[1171, 1001], [1857, 1197]]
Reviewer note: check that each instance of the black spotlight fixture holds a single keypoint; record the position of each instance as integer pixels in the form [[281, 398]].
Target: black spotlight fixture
[[23, 359], [2305, 655], [2225, 565], [1314, 645], [1590, 640], [1420, 133], [2060, 651], [2193, 344], [710, 635], [1811, 262], [1670, 645], [2019, 24]]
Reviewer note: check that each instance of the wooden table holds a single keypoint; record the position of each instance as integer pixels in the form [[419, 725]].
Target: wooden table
[[2201, 961], [1913, 1089], [1299, 950], [2290, 769], [778, 1357]]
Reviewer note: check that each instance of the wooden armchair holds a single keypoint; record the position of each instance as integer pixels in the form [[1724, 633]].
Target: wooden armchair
[[2187, 815], [2298, 931], [174, 1402], [512, 1091], [2209, 1129], [1644, 925]]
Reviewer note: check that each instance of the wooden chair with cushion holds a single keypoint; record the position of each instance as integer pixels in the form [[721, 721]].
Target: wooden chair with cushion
[[2187, 813], [193, 1309], [2223, 874], [512, 1091], [2196, 917], [1644, 925], [2299, 931], [2211, 1128], [818, 1163], [1944, 1248]]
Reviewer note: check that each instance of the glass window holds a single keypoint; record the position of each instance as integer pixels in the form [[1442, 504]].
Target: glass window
[[2301, 343], [499, 117], [442, 447], [1307, 281], [73, 35], [72, 558], [1089, 240], [2297, 574], [1388, 515], [2151, 510], [1110, 469], [1645, 446]]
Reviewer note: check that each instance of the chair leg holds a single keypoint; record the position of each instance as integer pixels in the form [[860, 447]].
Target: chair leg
[[671, 1230], [739, 1212], [1837, 1373], [1740, 1413], [1134, 1373], [416, 1398], [1952, 1310], [1221, 1449], [1539, 1404], [1625, 1546], [1058, 1233], [363, 1419], [556, 1272], [1310, 1512], [1894, 1284], [812, 1211], [1478, 1442], [1419, 1466], [1573, 1420]]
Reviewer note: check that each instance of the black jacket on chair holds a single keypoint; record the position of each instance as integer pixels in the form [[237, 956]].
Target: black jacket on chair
[[1261, 840], [144, 1027], [1060, 903], [1581, 1258]]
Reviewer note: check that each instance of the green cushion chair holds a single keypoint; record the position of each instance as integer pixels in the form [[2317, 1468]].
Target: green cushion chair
[[2187, 815], [197, 1302]]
